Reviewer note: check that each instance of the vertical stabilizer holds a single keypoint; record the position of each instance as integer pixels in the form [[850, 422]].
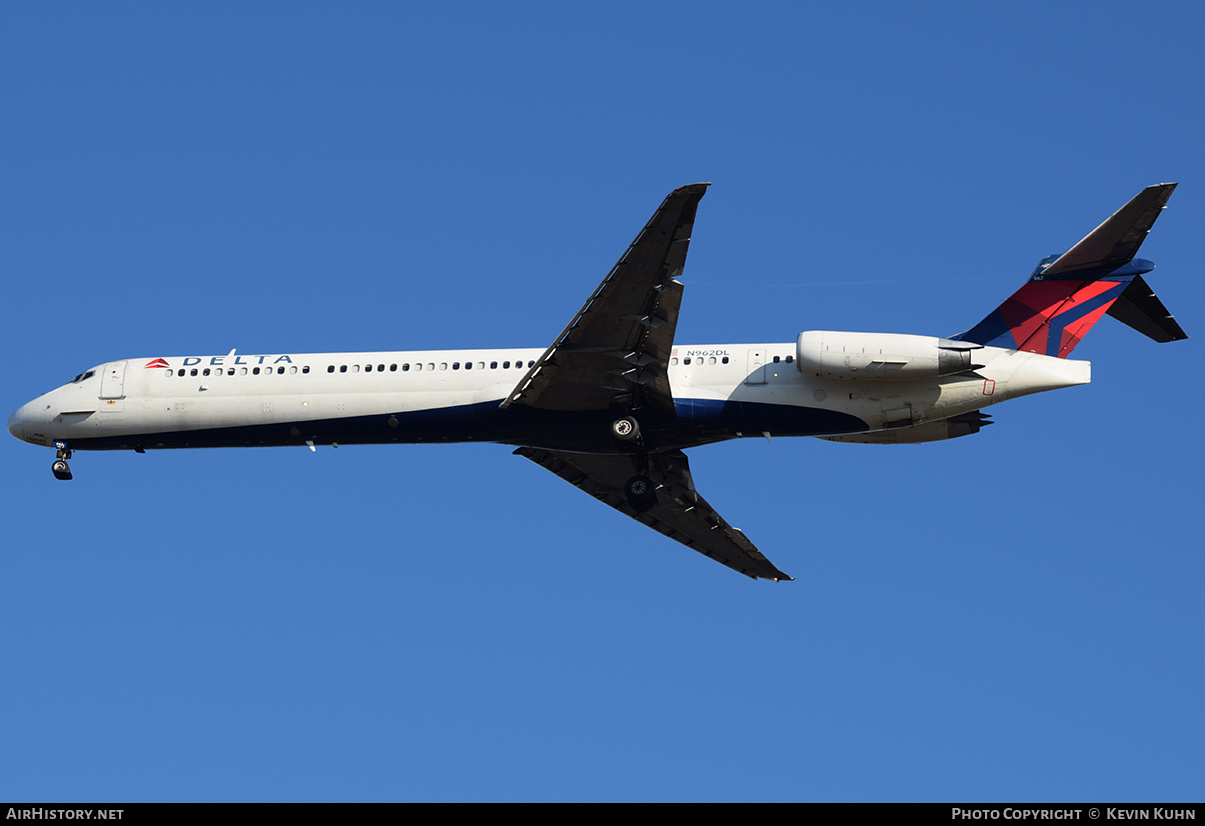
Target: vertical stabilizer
[[1069, 293]]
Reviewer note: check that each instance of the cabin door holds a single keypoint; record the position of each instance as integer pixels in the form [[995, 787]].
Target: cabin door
[[112, 381]]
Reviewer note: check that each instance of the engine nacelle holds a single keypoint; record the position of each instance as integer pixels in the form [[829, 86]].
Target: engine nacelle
[[951, 428], [881, 355]]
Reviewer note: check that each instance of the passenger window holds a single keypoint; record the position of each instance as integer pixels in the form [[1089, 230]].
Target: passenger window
[[330, 368], [493, 365], [254, 371], [342, 368], [725, 359], [506, 365], [686, 360], [405, 367], [455, 365], [194, 371], [443, 365], [368, 368], [393, 368]]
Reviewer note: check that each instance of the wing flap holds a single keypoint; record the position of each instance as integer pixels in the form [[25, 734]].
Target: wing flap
[[680, 513]]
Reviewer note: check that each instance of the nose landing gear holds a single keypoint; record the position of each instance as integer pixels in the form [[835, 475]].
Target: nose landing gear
[[60, 468]]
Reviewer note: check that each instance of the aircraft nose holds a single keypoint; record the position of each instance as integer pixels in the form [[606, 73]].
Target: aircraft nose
[[16, 424]]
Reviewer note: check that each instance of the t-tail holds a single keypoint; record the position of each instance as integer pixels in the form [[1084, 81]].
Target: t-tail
[[1069, 293]]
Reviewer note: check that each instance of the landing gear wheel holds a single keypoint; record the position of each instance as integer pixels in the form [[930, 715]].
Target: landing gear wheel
[[61, 470], [641, 492], [625, 429]]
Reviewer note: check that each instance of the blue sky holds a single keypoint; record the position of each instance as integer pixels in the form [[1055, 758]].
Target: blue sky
[[1011, 616]]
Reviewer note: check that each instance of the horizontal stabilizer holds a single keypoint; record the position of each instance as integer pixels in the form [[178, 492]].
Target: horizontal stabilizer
[[1117, 240], [1140, 308]]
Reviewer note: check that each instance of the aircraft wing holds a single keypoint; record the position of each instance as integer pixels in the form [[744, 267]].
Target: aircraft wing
[[1116, 241], [679, 513], [616, 349]]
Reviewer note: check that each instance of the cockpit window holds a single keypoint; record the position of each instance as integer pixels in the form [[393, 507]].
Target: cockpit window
[[83, 377]]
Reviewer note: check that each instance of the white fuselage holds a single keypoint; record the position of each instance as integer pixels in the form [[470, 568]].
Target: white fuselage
[[720, 391]]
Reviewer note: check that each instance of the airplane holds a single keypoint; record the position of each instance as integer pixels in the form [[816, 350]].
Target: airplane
[[613, 403]]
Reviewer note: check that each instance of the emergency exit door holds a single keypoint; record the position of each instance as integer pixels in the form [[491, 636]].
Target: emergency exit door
[[756, 366]]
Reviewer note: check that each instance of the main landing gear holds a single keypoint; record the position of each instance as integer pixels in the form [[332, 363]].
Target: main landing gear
[[60, 468], [641, 493], [625, 430], [640, 490]]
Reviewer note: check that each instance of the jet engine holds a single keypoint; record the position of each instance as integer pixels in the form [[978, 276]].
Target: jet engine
[[879, 356]]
